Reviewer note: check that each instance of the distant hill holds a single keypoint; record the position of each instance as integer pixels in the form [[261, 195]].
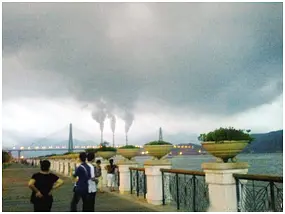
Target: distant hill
[[266, 143]]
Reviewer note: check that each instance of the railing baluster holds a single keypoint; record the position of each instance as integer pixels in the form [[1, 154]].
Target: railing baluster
[[254, 204], [137, 177], [131, 179], [177, 191], [238, 195], [194, 193], [163, 193], [273, 207], [144, 185], [185, 191]]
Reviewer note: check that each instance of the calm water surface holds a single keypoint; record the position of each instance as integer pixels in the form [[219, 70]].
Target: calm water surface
[[266, 164]]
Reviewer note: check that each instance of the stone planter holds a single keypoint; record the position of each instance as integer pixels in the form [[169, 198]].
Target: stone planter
[[226, 150], [158, 151], [129, 153], [106, 154]]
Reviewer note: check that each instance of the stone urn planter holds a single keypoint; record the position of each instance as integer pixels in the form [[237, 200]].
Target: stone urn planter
[[226, 150], [106, 154], [158, 149], [225, 143], [129, 151]]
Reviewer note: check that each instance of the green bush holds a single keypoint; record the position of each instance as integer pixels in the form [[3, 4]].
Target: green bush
[[106, 149], [91, 150], [226, 134], [128, 147], [158, 143]]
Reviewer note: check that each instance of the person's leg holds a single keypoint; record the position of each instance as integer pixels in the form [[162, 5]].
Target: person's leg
[[109, 181], [74, 202], [85, 203], [46, 205], [37, 207], [113, 182], [100, 185], [93, 202]]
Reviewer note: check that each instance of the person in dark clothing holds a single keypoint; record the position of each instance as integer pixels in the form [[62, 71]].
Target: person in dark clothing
[[92, 188], [42, 184], [81, 188]]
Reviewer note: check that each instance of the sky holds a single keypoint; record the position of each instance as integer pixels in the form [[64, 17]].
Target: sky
[[186, 67]]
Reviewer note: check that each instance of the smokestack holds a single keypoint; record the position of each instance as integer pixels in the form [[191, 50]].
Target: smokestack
[[113, 139]]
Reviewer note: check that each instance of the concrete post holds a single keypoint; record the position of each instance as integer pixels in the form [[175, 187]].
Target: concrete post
[[66, 167], [57, 166], [125, 180], [154, 180], [222, 185]]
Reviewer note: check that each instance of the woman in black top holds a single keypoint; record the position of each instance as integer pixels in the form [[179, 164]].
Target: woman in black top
[[42, 184]]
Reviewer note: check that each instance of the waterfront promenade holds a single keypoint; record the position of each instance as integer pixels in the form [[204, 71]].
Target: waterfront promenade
[[16, 194]]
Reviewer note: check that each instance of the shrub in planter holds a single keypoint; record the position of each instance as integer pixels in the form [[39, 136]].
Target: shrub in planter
[[225, 143], [158, 149], [106, 152], [128, 151]]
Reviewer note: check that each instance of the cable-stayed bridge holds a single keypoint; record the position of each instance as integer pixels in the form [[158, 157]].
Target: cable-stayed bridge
[[50, 142]]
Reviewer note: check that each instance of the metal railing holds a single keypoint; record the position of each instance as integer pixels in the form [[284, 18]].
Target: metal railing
[[259, 193], [138, 181], [186, 189], [117, 178]]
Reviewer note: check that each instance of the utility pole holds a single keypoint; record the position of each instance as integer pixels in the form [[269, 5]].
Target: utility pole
[[70, 140]]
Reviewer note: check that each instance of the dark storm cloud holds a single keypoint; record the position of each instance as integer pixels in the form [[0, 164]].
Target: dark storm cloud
[[212, 57]]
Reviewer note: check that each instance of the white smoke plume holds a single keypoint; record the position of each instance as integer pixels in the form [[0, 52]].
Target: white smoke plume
[[112, 122], [99, 116], [128, 118]]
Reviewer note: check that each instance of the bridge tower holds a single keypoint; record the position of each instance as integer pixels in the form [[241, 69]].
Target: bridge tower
[[19, 154], [160, 135], [70, 140]]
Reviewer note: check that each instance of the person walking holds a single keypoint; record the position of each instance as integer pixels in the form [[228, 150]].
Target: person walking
[[42, 184], [91, 183], [80, 190], [98, 175], [111, 170]]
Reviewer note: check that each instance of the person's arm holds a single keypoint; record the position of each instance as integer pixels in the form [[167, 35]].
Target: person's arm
[[33, 188], [57, 183], [92, 172]]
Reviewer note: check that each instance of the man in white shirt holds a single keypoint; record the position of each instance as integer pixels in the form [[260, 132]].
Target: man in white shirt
[[92, 187]]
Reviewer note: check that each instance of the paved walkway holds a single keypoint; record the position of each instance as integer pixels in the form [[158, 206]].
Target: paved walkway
[[16, 194]]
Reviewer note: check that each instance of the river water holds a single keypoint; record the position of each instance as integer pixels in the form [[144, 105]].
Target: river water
[[265, 164]]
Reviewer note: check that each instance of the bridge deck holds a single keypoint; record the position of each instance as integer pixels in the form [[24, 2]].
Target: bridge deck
[[16, 195]]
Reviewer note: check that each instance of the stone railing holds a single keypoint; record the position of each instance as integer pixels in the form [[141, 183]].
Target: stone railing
[[218, 185]]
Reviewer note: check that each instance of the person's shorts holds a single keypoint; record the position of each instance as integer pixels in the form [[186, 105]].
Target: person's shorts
[[111, 180]]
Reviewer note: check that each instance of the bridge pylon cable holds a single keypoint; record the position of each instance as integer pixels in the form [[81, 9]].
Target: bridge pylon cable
[[46, 137]]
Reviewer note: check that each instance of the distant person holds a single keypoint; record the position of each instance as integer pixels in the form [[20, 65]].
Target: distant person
[[81, 188], [98, 175], [111, 171], [92, 183], [42, 184]]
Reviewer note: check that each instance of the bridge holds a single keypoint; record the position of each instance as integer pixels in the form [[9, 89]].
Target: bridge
[[37, 146]]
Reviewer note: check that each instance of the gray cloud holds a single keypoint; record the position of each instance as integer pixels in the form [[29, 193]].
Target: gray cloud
[[220, 58]]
